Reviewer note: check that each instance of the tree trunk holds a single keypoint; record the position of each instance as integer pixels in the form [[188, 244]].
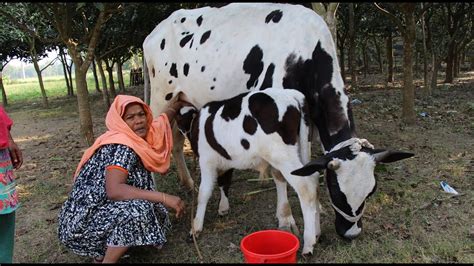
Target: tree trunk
[[96, 80], [351, 34], [408, 112], [110, 71], [105, 90], [456, 63], [2, 89], [365, 58], [85, 117], [450, 64], [40, 80], [342, 62], [389, 46], [120, 77], [434, 75], [69, 71], [329, 16], [425, 54], [63, 59], [379, 54]]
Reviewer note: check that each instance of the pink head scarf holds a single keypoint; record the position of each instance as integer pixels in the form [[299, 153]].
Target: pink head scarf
[[154, 151]]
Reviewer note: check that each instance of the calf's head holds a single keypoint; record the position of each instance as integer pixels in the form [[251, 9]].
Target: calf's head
[[185, 118], [350, 179]]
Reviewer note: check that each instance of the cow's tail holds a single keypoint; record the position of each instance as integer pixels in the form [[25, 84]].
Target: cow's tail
[[304, 144], [146, 81]]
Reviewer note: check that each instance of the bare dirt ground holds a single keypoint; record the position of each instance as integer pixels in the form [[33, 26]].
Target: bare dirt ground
[[409, 218]]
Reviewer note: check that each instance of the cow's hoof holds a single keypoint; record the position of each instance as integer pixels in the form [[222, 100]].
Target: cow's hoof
[[189, 239], [307, 252], [223, 213]]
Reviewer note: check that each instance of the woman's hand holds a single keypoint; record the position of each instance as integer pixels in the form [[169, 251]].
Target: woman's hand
[[174, 202], [15, 153]]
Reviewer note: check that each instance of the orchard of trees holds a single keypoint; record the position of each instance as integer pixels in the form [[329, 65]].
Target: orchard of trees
[[103, 36]]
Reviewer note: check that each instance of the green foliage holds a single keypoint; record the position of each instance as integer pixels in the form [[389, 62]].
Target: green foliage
[[27, 90]]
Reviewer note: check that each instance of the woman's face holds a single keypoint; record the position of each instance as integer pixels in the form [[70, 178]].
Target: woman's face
[[135, 117]]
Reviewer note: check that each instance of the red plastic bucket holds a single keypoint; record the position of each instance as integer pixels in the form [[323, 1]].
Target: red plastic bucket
[[270, 246]]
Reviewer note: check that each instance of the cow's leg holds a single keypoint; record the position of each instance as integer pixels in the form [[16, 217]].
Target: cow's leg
[[208, 179], [285, 217], [224, 181], [305, 187], [178, 155]]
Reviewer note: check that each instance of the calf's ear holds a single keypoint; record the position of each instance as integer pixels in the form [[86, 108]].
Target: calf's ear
[[389, 156], [311, 167]]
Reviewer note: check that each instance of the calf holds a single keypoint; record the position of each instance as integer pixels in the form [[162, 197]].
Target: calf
[[252, 131]]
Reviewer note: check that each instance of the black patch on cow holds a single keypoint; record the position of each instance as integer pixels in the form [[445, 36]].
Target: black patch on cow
[[211, 138], [312, 77], [343, 225], [199, 21], [249, 125], [253, 65], [173, 70], [166, 63], [224, 180], [245, 144], [232, 107], [183, 20], [290, 125], [344, 153], [203, 68], [205, 36], [193, 136], [153, 71], [214, 79], [265, 111], [186, 69], [338, 198], [162, 45], [299, 75], [191, 44], [169, 96], [267, 81], [185, 40], [170, 81], [212, 88], [274, 16]]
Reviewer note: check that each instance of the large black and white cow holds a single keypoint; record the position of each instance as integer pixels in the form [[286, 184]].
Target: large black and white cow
[[211, 54], [255, 130]]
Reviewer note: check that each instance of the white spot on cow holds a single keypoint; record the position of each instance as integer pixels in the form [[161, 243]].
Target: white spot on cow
[[356, 179]]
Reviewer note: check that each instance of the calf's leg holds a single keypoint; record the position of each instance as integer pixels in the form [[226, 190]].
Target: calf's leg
[[285, 217], [223, 181]]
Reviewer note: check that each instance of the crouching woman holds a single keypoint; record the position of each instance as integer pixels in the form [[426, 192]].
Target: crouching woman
[[114, 203]]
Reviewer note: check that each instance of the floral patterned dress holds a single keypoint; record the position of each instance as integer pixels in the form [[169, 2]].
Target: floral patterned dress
[[8, 192], [89, 222]]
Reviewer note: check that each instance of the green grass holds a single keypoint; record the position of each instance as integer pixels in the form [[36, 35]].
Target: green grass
[[28, 90]]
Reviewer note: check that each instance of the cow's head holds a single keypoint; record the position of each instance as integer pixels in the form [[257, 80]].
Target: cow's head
[[350, 179]]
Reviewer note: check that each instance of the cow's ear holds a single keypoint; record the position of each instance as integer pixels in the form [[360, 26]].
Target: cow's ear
[[311, 167], [388, 156]]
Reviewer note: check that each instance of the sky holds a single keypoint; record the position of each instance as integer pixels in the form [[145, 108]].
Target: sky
[[51, 56]]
